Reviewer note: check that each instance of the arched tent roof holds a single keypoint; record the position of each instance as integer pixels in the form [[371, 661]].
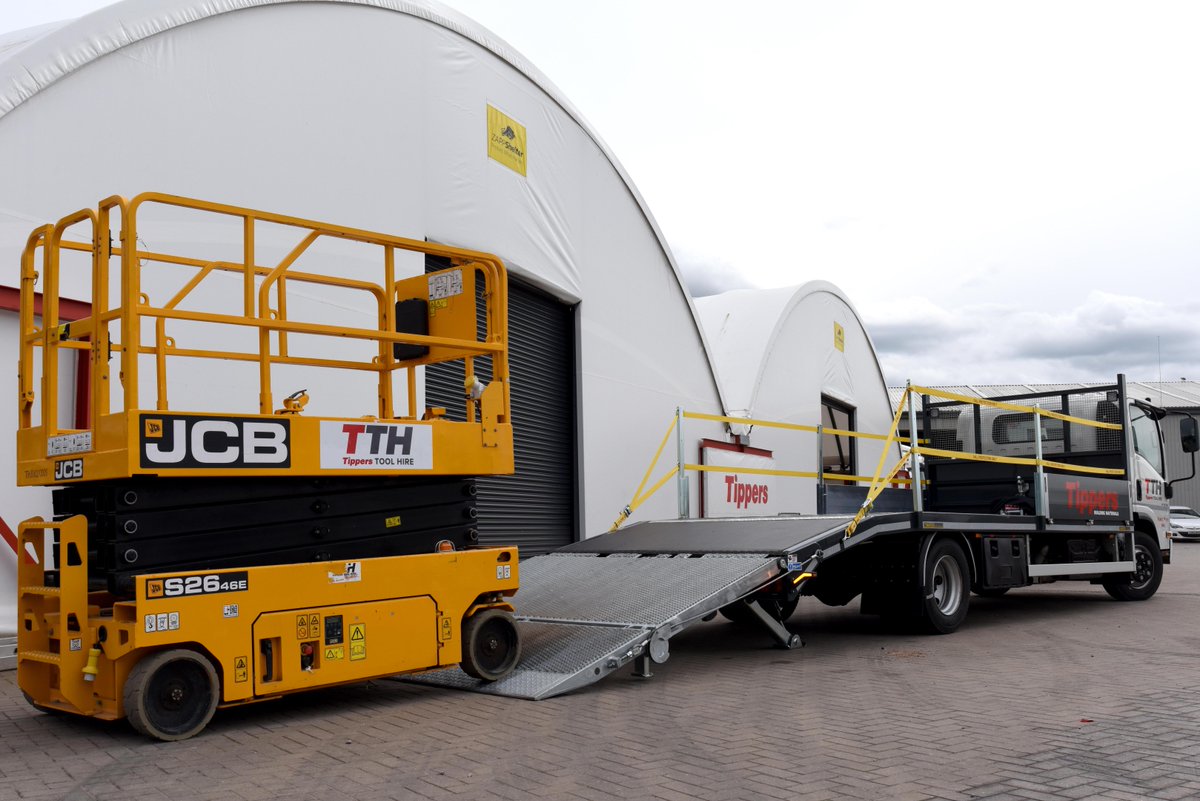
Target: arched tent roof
[[372, 114], [36, 58], [799, 355], [744, 326]]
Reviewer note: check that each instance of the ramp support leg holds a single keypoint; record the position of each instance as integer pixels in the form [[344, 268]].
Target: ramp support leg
[[783, 637], [641, 668]]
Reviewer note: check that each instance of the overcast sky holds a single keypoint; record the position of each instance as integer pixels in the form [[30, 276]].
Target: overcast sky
[[1008, 191]]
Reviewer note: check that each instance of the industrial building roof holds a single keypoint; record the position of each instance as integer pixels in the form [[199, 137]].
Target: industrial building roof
[[1180, 394]]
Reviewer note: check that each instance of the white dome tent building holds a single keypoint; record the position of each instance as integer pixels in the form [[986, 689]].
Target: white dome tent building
[[799, 355], [384, 115], [373, 114]]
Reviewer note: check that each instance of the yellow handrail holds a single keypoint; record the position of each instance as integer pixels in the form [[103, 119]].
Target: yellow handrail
[[882, 478]]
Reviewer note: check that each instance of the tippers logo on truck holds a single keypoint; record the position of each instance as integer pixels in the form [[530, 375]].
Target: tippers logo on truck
[[1087, 498], [375, 446]]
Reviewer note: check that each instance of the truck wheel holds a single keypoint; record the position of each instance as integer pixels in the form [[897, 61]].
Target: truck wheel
[[780, 610], [491, 645], [171, 695], [1147, 572], [946, 597]]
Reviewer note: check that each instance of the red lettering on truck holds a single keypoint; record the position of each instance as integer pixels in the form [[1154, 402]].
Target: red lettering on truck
[[1089, 502]]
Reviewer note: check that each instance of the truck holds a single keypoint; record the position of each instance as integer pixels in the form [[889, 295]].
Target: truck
[[1022, 490], [1002, 493], [202, 558]]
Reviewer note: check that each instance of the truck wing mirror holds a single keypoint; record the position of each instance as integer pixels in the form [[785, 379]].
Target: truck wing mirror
[[1188, 437]]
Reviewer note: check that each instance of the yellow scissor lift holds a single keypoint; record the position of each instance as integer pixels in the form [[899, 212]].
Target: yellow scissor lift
[[165, 642]]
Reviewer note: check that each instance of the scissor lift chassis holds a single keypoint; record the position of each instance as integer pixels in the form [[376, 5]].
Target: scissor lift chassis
[[266, 631]]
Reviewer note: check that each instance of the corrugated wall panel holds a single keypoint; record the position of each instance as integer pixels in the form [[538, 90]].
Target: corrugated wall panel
[[534, 508]]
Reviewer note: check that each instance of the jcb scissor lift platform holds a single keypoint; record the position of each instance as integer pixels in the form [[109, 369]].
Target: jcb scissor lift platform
[[199, 557]]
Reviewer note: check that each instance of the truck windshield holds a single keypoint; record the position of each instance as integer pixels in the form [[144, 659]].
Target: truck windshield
[[1146, 441]]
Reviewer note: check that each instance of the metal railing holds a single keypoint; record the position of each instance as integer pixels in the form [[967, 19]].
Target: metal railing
[[682, 467], [914, 450], [264, 298], [918, 450]]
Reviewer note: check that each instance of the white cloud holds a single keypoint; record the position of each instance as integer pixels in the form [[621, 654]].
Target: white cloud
[[987, 170], [1092, 340]]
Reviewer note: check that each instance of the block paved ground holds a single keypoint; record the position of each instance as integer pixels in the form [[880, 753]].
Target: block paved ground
[[1051, 693]]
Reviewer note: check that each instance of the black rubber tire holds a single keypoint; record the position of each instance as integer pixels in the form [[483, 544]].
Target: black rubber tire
[[171, 695], [946, 596], [491, 645], [1144, 581], [737, 612], [990, 592]]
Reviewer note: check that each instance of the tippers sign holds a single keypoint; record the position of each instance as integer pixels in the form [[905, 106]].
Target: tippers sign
[[1088, 498], [735, 493], [375, 446]]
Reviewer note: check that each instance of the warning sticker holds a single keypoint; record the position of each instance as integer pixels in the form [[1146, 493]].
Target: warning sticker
[[358, 641], [240, 671], [308, 626], [335, 652], [164, 621], [839, 337], [446, 632], [445, 285]]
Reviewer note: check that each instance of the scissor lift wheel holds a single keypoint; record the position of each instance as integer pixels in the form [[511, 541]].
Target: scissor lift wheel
[[171, 695], [491, 645]]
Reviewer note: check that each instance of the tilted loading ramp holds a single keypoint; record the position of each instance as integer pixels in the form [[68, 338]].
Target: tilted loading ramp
[[597, 605]]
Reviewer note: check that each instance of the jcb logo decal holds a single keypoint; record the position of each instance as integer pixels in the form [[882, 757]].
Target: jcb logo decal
[[181, 441], [68, 469]]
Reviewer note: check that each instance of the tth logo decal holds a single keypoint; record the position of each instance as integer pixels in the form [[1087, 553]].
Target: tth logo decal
[[375, 446]]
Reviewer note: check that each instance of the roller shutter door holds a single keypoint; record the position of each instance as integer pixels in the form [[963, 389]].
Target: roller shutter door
[[534, 508]]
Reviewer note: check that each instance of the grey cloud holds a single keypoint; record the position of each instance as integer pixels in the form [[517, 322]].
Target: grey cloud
[[705, 276], [1102, 335]]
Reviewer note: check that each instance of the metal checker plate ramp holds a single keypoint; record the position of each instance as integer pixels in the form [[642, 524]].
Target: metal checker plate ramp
[[555, 658], [625, 589], [583, 616]]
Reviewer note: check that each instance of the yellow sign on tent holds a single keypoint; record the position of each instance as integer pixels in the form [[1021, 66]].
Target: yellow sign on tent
[[839, 337], [506, 140]]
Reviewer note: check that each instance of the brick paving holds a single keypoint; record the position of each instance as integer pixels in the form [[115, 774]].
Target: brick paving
[[1051, 694]]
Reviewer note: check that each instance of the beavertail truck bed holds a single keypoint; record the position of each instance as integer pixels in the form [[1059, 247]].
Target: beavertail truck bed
[[983, 523]]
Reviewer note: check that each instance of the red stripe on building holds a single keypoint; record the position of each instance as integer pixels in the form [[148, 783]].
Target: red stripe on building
[[68, 310], [7, 535]]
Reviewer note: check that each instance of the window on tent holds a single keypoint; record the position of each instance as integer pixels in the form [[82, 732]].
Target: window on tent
[[837, 450]]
